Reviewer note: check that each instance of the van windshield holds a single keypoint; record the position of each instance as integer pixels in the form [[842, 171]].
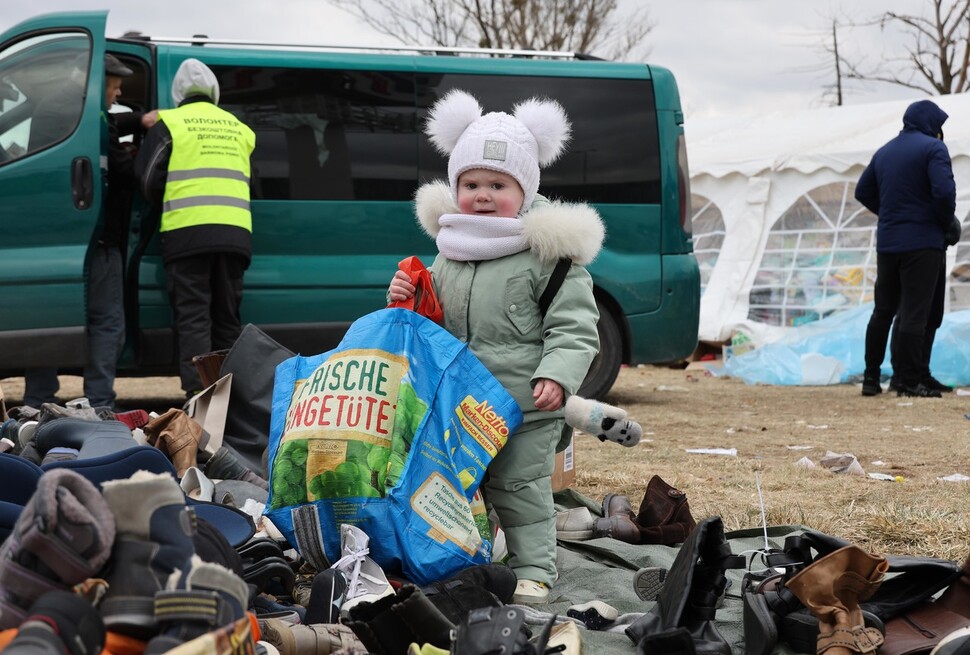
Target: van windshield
[[42, 84]]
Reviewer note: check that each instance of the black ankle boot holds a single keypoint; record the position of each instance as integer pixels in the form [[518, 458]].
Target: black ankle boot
[[388, 625], [499, 630], [690, 593], [484, 585]]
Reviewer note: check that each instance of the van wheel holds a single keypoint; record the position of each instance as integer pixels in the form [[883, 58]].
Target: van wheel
[[606, 365]]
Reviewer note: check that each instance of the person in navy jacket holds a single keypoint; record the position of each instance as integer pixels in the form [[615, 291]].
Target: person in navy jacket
[[909, 186]]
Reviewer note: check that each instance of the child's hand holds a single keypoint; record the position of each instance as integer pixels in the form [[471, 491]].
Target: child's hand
[[548, 395], [401, 287]]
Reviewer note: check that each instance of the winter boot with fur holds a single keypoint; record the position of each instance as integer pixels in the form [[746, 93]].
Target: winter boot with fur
[[689, 598], [832, 588], [153, 541], [200, 598], [63, 536]]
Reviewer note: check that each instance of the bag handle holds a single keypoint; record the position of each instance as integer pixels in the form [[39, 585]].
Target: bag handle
[[424, 301], [555, 281]]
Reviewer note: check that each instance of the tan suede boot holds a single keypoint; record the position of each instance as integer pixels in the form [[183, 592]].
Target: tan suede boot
[[831, 588], [176, 435]]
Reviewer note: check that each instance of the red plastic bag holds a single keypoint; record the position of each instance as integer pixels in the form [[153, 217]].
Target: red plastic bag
[[424, 301]]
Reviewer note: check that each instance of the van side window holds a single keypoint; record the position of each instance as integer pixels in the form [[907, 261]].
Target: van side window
[[42, 83], [326, 134], [615, 160]]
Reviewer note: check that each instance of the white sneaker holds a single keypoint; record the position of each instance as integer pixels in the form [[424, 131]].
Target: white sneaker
[[530, 592], [575, 523], [366, 581], [567, 637]]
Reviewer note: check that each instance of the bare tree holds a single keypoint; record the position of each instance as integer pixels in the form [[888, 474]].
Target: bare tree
[[936, 51], [586, 26]]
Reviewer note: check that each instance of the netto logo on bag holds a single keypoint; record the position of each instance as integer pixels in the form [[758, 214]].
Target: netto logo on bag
[[481, 421]]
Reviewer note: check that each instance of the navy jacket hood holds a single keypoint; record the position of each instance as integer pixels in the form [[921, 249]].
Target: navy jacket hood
[[925, 116]]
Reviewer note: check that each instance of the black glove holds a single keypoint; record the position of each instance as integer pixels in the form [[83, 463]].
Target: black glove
[[952, 234]]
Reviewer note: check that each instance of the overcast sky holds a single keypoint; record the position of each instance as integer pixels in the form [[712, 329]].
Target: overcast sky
[[729, 56]]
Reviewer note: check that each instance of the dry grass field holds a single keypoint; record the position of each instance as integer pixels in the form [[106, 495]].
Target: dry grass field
[[920, 440]]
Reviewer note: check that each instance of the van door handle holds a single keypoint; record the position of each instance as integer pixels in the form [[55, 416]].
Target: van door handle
[[82, 182]]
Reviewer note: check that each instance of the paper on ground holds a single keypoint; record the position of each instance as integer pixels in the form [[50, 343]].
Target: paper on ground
[[732, 452]]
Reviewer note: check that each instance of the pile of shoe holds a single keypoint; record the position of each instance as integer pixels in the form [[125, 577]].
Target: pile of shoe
[[663, 518]]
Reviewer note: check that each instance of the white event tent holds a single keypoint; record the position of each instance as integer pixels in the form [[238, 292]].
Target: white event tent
[[780, 239]]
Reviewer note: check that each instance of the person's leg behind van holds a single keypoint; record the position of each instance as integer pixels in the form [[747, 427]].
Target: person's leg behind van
[[187, 281], [519, 489], [105, 325], [228, 270], [40, 386], [919, 272]]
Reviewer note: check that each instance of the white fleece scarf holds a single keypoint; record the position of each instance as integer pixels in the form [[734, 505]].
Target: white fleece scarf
[[468, 238]]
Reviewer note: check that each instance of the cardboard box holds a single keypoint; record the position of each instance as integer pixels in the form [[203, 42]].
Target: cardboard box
[[565, 472]]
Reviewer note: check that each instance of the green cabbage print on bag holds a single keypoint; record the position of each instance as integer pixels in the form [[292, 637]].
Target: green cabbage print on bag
[[348, 429]]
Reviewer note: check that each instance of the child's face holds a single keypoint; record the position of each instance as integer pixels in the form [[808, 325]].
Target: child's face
[[489, 193]]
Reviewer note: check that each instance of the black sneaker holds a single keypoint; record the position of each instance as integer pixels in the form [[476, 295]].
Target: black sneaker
[[931, 382], [919, 391], [871, 387], [893, 384], [326, 597]]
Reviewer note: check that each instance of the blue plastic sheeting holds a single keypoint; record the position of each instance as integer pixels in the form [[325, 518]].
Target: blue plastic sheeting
[[832, 351]]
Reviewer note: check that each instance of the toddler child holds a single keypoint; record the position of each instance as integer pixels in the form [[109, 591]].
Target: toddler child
[[498, 243]]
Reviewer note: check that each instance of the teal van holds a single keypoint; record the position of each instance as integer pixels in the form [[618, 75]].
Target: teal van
[[339, 154]]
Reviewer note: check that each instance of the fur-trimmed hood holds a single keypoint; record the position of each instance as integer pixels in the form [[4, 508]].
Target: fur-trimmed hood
[[553, 229]]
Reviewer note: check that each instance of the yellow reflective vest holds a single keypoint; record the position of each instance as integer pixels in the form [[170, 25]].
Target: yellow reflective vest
[[208, 171]]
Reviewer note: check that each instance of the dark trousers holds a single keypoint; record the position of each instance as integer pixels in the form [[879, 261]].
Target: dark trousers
[[906, 289], [205, 292], [932, 325]]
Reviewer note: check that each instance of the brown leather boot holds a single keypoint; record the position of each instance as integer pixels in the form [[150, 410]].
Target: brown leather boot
[[618, 526], [176, 435], [831, 588], [614, 504], [619, 521]]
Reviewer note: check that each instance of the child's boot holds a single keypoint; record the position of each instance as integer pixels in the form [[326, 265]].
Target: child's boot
[[154, 539]]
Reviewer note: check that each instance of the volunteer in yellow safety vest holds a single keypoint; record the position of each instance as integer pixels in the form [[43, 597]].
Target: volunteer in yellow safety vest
[[194, 167]]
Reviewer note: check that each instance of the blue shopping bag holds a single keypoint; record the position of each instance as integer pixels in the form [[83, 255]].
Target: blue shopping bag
[[391, 431]]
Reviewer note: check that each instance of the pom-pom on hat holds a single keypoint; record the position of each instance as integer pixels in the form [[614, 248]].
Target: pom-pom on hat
[[533, 136]]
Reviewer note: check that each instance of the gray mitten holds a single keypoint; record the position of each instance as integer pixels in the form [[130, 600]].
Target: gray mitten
[[602, 420], [63, 536]]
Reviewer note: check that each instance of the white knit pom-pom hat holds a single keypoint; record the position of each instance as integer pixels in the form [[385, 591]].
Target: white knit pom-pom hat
[[534, 136]]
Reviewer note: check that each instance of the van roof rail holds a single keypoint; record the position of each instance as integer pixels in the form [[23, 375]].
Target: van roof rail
[[427, 50]]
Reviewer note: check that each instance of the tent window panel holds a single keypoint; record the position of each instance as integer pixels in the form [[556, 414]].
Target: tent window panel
[[813, 259], [819, 256], [854, 239], [769, 315], [850, 257], [705, 262], [781, 241], [830, 200], [709, 220], [854, 213], [803, 215], [817, 240], [709, 242], [708, 229], [777, 259], [847, 276], [773, 295]]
